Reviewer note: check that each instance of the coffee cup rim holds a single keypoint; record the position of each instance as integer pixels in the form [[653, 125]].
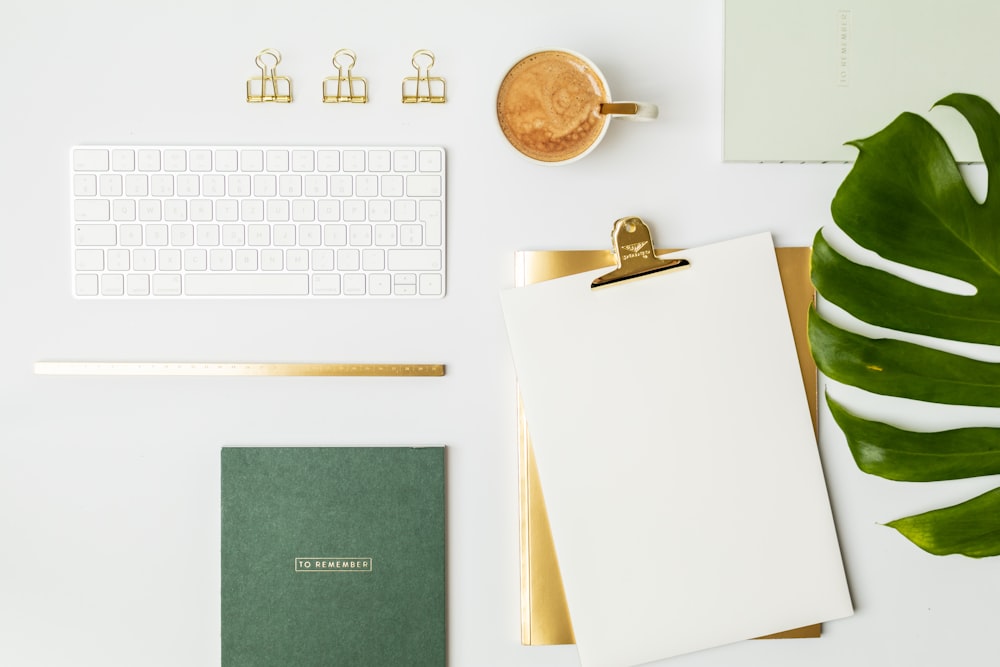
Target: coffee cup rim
[[604, 125]]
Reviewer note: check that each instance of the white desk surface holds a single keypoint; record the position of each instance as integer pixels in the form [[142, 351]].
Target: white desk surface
[[109, 486]]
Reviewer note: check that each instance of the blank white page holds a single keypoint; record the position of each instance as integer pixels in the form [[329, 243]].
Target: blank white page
[[677, 455]]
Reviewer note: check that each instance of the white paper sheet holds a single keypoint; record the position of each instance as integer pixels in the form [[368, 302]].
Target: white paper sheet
[[676, 451]]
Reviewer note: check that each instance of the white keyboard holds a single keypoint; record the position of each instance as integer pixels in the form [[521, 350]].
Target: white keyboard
[[266, 221]]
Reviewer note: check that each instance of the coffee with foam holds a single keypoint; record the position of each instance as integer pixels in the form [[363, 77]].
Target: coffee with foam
[[549, 106]]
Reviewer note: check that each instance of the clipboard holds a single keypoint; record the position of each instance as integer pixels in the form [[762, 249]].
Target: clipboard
[[545, 618], [624, 387]]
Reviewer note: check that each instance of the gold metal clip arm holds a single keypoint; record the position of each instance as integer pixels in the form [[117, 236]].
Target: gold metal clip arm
[[344, 60], [269, 87], [633, 249], [423, 87]]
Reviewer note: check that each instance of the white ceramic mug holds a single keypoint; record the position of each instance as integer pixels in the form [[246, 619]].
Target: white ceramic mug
[[554, 106]]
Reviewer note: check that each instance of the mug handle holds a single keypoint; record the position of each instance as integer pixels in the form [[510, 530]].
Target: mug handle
[[630, 110]]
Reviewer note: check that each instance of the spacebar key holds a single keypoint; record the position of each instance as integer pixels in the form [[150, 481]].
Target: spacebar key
[[247, 284]]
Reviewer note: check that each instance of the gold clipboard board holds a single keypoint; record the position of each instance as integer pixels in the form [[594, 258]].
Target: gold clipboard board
[[545, 618]]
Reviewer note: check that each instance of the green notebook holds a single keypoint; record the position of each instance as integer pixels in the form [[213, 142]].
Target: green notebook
[[333, 556]]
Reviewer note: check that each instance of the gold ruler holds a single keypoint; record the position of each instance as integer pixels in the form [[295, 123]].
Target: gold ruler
[[235, 368]]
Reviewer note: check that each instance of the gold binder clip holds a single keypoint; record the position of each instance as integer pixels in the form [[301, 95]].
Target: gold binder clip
[[269, 87], [344, 60], [633, 249], [423, 87]]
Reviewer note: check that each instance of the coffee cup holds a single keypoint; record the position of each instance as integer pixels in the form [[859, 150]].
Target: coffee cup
[[554, 106]]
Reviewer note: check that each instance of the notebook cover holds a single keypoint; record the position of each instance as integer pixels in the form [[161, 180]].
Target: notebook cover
[[545, 617], [804, 78], [333, 556]]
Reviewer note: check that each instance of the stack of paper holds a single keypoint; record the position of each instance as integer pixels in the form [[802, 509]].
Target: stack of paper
[[674, 443]]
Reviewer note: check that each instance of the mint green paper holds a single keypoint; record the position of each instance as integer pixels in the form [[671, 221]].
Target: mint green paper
[[906, 200], [377, 512]]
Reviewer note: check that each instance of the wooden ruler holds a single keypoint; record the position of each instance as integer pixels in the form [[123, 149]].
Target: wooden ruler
[[235, 368]]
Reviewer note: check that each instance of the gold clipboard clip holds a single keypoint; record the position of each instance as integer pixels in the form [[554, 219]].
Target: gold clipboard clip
[[423, 87], [633, 249], [344, 60], [269, 87]]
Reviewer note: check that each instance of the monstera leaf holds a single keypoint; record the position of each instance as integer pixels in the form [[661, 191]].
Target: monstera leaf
[[905, 199]]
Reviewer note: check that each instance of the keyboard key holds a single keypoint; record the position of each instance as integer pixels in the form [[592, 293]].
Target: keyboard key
[[341, 186], [251, 160], [277, 160], [90, 159], [84, 185], [86, 284], [96, 235], [373, 259], [144, 259], [405, 160], [327, 284], [360, 235], [161, 185], [354, 160], [391, 186], [303, 160], [174, 160], [328, 160], [112, 284], [354, 284], [149, 159], [110, 185], [168, 259], [272, 259], [92, 209], [118, 259], [413, 260], [366, 185], [328, 210], [233, 235], [297, 260], [123, 159], [430, 284], [137, 284], [220, 259], [379, 161], [430, 161], [380, 284], [130, 235], [404, 210], [430, 214], [207, 235], [322, 259], [136, 185], [195, 259], [303, 210], [226, 160], [150, 210], [89, 260], [166, 284], [315, 185], [156, 235], [248, 284], [348, 259], [423, 186], [201, 160]]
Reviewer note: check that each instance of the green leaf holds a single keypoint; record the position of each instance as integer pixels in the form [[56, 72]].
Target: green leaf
[[971, 528], [908, 456], [897, 368], [906, 201]]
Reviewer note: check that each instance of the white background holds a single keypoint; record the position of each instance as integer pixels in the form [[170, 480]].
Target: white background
[[109, 486]]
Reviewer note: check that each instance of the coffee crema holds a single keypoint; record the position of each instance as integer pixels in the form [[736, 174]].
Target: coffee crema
[[549, 106]]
